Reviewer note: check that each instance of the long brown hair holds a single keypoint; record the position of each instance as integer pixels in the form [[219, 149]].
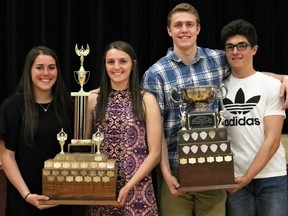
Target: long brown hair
[[62, 101], [134, 85]]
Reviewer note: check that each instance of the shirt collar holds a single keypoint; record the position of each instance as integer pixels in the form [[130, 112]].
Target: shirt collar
[[199, 55]]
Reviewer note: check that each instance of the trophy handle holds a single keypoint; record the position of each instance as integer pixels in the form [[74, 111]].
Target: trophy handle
[[222, 92], [175, 91]]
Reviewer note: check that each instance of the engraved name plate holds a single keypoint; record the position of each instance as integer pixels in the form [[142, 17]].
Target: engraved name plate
[[201, 120]]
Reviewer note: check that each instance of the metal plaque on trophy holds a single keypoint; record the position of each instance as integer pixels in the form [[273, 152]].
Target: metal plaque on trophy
[[205, 158], [84, 175]]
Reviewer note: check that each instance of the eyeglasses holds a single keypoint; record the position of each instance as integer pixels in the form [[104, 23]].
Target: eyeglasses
[[240, 46]]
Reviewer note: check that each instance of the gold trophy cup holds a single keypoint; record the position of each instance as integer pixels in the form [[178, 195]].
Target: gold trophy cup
[[200, 97]]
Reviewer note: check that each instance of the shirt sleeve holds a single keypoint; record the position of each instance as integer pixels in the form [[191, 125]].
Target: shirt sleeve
[[274, 103], [10, 122], [152, 83]]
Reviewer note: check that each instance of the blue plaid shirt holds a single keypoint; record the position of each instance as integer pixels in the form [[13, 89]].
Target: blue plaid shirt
[[208, 68]]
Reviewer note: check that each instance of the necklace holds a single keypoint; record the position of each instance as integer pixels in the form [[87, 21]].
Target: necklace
[[45, 109]]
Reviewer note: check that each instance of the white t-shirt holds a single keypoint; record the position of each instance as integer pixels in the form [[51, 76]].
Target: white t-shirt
[[248, 101]]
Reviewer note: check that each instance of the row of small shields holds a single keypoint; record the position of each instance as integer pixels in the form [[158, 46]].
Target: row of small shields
[[204, 148], [203, 135]]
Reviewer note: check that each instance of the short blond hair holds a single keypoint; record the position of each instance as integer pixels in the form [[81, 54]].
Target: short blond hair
[[183, 7]]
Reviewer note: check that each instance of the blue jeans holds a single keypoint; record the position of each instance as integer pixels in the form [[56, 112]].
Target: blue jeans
[[261, 197]]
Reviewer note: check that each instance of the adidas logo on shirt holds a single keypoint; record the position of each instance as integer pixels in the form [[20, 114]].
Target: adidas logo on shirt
[[241, 106]]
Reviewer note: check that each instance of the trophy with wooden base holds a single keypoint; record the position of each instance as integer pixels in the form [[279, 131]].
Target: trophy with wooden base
[[205, 158], [84, 175]]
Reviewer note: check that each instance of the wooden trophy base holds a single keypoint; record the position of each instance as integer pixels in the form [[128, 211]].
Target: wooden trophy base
[[206, 188], [206, 176], [80, 179], [205, 160]]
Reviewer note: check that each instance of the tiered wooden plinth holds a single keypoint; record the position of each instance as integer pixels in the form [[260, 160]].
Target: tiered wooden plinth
[[205, 160], [80, 179]]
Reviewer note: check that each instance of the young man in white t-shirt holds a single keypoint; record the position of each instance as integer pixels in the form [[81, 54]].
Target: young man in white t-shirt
[[254, 118]]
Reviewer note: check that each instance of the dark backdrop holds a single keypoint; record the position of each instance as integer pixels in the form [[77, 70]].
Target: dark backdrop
[[60, 24]]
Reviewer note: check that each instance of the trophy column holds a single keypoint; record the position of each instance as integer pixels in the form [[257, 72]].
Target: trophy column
[[81, 77]]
